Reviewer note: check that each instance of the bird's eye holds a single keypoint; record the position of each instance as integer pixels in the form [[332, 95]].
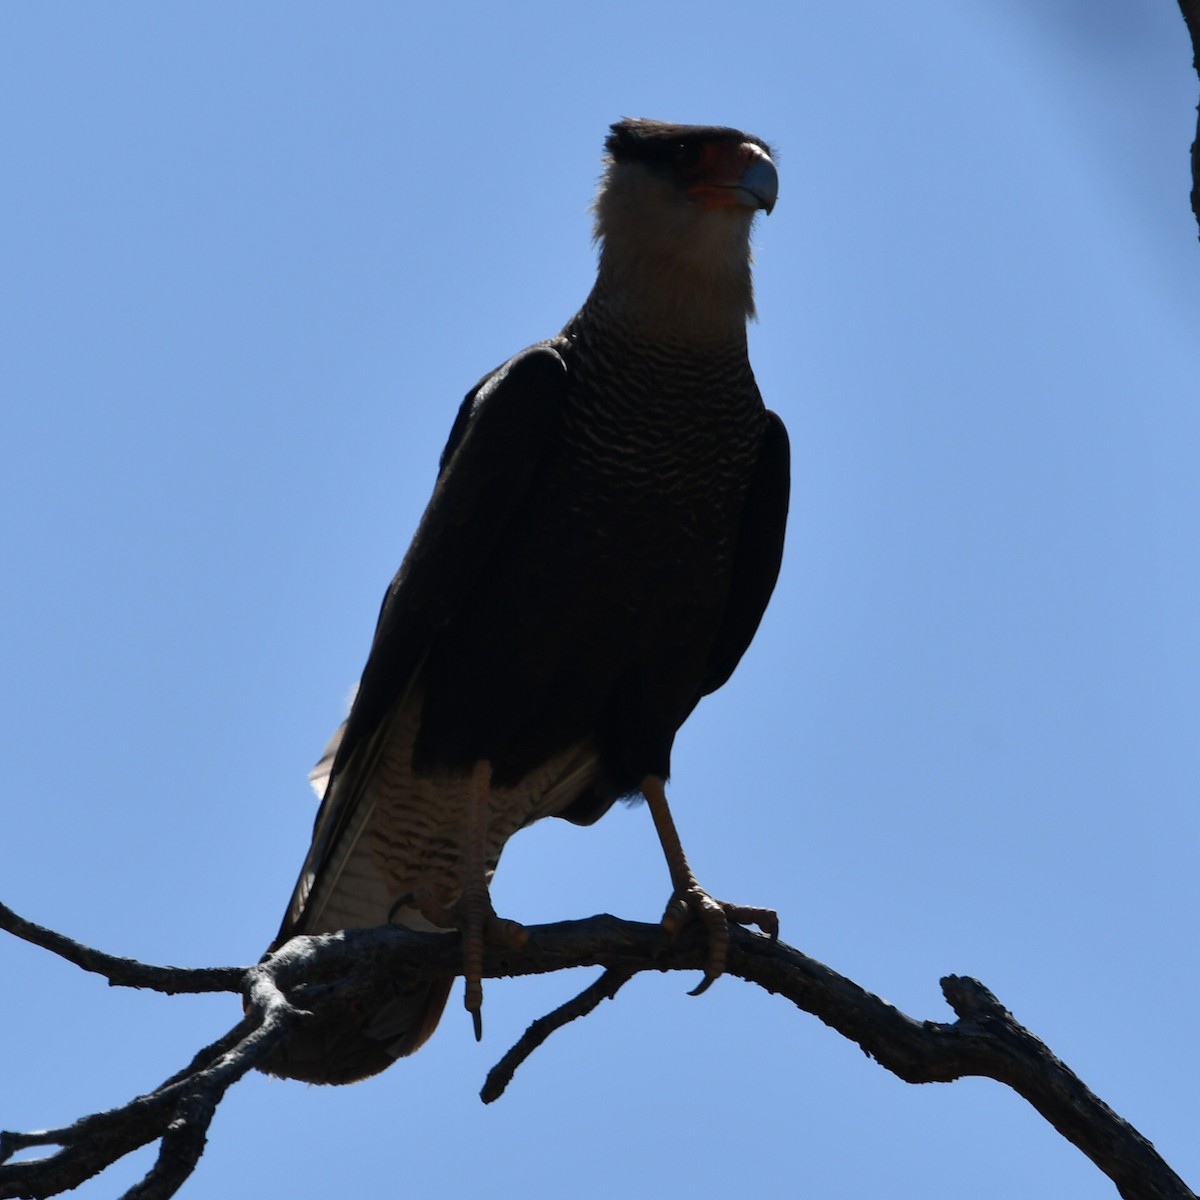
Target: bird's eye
[[687, 155]]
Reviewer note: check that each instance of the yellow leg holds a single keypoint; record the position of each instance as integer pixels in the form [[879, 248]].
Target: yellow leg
[[472, 914], [689, 899], [475, 906]]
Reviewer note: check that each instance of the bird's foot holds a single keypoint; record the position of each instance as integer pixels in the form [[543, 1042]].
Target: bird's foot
[[691, 901], [479, 926]]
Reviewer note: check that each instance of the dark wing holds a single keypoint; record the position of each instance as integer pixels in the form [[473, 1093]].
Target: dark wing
[[494, 449], [757, 556]]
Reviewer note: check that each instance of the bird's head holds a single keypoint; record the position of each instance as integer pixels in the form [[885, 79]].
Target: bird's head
[[675, 207]]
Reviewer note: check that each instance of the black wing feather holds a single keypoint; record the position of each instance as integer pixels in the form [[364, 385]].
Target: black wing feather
[[494, 449], [757, 557]]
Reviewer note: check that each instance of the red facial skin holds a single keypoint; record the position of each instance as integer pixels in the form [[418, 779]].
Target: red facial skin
[[716, 176]]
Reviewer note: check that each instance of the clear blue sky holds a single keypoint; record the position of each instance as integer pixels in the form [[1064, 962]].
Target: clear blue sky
[[252, 255]]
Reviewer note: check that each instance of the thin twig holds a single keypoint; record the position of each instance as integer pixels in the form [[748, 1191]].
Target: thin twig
[[604, 988], [124, 972]]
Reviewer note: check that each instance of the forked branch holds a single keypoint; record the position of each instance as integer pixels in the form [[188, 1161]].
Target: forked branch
[[351, 969]]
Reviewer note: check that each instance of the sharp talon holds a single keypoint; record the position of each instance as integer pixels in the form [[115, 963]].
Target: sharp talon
[[477, 1021], [693, 902]]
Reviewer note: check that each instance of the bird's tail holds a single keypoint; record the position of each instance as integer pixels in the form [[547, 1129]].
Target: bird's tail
[[341, 1050], [343, 885]]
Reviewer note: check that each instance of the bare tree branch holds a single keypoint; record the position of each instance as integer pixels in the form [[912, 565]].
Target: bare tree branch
[[604, 988], [345, 971], [124, 972]]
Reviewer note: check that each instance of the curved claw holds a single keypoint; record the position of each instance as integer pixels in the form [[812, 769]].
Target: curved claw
[[716, 915], [482, 927]]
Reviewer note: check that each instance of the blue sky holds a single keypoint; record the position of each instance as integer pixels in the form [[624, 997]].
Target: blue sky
[[251, 257]]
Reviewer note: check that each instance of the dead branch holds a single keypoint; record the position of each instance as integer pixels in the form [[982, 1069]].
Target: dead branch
[[500, 1076], [344, 971], [124, 972]]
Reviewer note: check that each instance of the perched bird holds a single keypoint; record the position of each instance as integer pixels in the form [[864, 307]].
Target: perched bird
[[603, 537]]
